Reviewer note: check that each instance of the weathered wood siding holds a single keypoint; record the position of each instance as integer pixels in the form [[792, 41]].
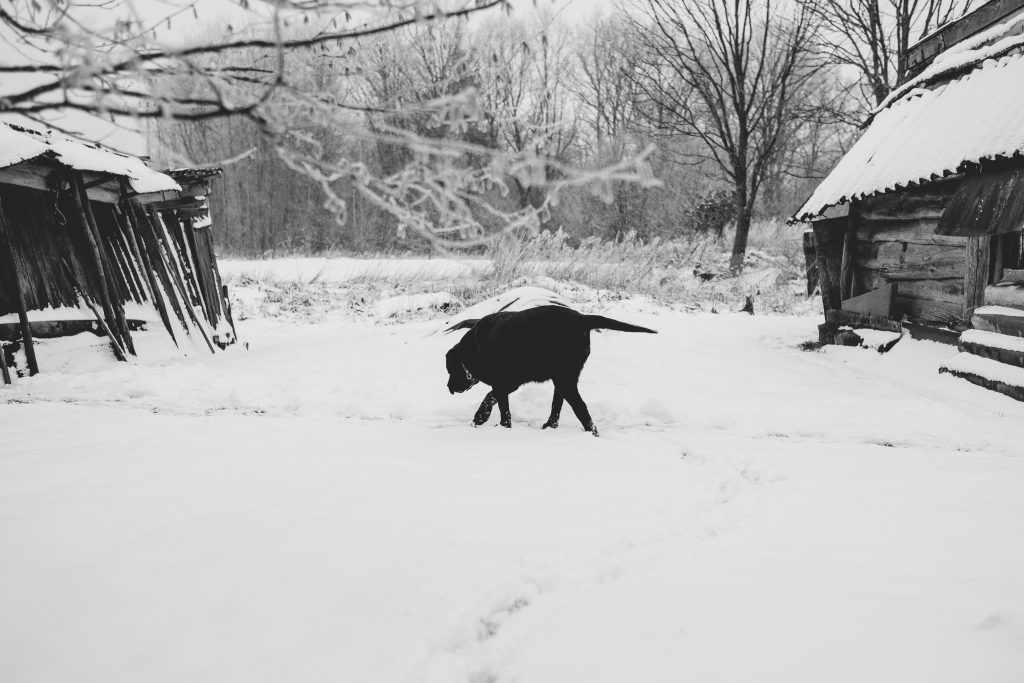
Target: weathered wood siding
[[895, 242], [157, 252]]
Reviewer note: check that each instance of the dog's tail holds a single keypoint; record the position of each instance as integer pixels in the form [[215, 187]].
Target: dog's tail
[[599, 322]]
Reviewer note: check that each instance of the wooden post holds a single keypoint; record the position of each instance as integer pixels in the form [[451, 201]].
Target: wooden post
[[976, 276], [829, 236], [94, 237], [846, 270], [135, 237], [811, 261], [173, 269], [7, 252], [3, 365]]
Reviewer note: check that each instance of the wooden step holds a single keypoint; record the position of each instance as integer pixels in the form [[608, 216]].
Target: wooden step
[[999, 347], [1001, 319], [990, 374]]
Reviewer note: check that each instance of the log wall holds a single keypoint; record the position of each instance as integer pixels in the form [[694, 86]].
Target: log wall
[[894, 241]]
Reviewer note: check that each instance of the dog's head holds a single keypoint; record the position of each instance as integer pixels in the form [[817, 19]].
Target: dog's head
[[459, 377]]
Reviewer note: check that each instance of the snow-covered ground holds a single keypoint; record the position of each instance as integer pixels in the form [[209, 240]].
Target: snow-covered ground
[[317, 508]]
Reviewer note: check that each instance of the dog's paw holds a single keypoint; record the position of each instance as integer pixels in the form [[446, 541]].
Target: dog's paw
[[507, 424], [552, 424], [478, 420], [592, 428]]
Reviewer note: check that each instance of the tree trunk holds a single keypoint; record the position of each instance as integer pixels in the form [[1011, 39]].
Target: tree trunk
[[739, 245]]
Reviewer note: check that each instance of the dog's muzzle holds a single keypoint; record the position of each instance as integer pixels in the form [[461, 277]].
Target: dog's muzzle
[[470, 381]]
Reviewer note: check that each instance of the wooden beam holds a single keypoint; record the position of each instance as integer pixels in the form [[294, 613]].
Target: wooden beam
[[858, 320], [976, 275], [811, 262], [4, 372], [93, 237], [49, 329], [829, 237]]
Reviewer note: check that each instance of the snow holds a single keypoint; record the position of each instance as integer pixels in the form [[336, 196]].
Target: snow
[[877, 339], [999, 310], [992, 340], [337, 270], [515, 299], [316, 507], [931, 133], [407, 303], [987, 368]]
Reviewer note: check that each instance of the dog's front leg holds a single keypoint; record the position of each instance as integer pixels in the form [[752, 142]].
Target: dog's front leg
[[506, 414], [483, 413], [556, 411]]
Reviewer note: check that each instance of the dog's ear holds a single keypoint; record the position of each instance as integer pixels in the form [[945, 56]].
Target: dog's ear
[[462, 325]]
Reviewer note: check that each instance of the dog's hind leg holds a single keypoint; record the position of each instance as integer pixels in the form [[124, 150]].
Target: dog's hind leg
[[556, 410], [483, 413], [572, 396], [506, 414]]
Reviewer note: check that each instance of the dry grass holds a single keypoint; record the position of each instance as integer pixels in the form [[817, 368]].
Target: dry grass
[[691, 274]]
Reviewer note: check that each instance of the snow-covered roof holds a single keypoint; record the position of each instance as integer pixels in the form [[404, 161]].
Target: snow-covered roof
[[933, 126], [18, 144]]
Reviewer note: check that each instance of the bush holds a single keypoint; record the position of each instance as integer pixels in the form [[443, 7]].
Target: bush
[[712, 211]]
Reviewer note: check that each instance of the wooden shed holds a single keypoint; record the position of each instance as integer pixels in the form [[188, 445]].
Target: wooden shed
[[919, 226], [84, 227]]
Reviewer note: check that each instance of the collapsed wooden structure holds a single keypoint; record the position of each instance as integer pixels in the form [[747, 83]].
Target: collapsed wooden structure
[[82, 225], [920, 224]]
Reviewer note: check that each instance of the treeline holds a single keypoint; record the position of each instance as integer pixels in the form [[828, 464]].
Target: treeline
[[745, 111]]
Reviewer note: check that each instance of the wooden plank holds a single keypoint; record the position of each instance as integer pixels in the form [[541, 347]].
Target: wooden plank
[[828, 244], [859, 320], [1003, 324], [1013, 275], [1010, 390], [1007, 356], [92, 234], [50, 329], [7, 254], [898, 256], [930, 271], [811, 262], [950, 290], [902, 206], [4, 372], [932, 333], [921, 310], [976, 274], [1005, 295], [133, 228], [921, 231], [878, 302], [846, 280]]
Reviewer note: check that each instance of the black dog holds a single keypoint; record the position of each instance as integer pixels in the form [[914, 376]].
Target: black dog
[[509, 349]]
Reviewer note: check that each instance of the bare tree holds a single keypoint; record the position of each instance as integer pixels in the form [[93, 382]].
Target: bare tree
[[104, 60], [726, 73], [874, 35]]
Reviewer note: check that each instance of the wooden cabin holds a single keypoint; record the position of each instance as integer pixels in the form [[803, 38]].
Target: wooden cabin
[[85, 227], [919, 226]]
